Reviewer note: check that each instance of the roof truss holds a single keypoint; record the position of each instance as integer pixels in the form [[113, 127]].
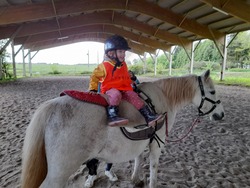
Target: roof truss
[[147, 24]]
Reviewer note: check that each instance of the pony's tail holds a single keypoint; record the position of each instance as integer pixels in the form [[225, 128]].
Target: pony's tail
[[34, 162]]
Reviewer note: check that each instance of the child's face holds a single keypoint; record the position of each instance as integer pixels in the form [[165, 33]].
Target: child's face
[[119, 53]]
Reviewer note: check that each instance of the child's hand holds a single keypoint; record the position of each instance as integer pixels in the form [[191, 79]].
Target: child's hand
[[132, 75], [93, 91]]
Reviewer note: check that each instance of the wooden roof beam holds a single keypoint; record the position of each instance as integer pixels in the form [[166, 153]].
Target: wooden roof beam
[[21, 13], [99, 37], [95, 29], [94, 18], [97, 18], [46, 26]]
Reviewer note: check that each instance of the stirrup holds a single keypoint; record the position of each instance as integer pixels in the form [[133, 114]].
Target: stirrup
[[117, 121], [152, 122]]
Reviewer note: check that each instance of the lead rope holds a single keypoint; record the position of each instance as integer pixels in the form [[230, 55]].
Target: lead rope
[[195, 122]]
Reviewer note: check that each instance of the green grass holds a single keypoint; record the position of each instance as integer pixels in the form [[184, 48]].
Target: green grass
[[241, 78], [235, 82], [238, 77], [43, 69]]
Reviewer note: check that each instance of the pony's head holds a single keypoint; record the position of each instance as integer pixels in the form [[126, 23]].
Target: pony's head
[[206, 99]]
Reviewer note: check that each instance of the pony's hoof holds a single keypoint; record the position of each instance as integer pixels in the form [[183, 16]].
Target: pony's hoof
[[138, 182]]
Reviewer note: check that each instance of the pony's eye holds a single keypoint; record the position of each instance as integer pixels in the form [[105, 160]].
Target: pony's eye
[[212, 92]]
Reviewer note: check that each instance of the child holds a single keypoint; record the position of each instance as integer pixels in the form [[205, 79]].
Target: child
[[92, 164], [116, 83]]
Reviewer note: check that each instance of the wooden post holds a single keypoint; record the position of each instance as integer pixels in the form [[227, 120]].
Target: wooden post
[[13, 59], [155, 56], [1, 68], [24, 69], [143, 59], [192, 59], [224, 59], [30, 67], [170, 62], [144, 63]]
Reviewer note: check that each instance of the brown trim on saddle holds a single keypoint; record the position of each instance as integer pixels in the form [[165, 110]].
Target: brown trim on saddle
[[144, 134]]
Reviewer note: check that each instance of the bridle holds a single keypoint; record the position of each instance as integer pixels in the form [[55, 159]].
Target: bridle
[[201, 113], [204, 98]]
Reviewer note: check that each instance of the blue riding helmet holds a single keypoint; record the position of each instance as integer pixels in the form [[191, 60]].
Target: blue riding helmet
[[115, 42]]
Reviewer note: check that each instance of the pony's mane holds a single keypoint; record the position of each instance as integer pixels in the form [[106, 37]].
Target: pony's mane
[[178, 89]]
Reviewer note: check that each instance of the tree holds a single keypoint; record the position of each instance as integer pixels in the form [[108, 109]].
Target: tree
[[239, 50], [3, 63], [180, 58], [207, 55], [163, 61], [206, 51]]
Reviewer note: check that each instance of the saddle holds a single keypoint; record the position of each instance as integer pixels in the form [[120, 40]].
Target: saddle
[[144, 132]]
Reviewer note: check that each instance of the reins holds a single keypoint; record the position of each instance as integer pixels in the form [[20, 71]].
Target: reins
[[195, 122]]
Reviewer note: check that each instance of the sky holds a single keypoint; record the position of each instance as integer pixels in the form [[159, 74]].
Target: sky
[[76, 53]]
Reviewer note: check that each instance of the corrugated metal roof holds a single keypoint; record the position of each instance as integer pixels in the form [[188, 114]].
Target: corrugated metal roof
[[148, 25]]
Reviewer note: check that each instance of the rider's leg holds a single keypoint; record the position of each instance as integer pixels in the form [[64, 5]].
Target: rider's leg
[[133, 98], [113, 118], [149, 116], [114, 99]]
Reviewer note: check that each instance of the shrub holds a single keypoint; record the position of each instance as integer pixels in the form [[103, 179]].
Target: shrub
[[137, 69], [55, 72], [5, 71], [54, 68]]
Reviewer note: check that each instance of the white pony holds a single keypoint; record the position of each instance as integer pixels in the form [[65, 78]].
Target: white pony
[[64, 133]]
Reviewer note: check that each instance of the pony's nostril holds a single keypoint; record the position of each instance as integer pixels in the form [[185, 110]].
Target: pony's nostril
[[217, 116]]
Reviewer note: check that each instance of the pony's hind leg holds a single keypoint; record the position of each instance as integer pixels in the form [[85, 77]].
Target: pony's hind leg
[[58, 174], [64, 157]]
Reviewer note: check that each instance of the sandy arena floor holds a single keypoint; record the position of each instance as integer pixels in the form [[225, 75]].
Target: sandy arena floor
[[216, 154]]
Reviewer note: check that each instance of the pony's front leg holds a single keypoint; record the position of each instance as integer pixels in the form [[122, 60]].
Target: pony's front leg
[[155, 152], [137, 170]]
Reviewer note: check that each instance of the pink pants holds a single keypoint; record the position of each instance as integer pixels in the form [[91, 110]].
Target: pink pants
[[115, 96]]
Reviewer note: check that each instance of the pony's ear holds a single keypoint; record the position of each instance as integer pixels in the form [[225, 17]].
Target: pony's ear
[[206, 74]]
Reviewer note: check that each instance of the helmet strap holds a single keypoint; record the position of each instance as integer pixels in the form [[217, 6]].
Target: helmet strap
[[117, 62]]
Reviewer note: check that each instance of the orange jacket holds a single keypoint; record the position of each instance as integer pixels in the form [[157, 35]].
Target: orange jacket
[[103, 73]]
